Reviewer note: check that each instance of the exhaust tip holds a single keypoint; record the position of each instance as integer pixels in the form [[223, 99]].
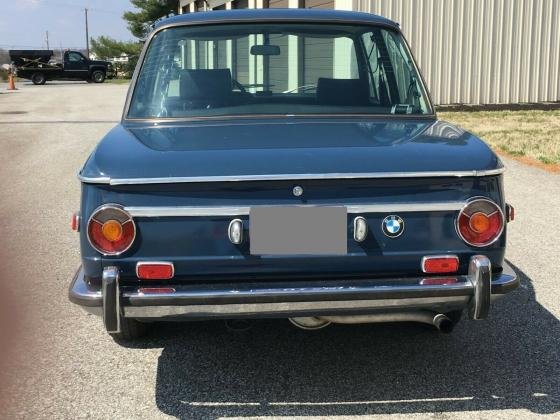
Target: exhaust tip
[[309, 323], [443, 323]]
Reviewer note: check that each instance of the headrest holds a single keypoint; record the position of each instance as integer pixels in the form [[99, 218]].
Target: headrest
[[205, 84], [342, 92]]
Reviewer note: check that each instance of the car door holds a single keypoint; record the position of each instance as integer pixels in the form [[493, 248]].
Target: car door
[[75, 65]]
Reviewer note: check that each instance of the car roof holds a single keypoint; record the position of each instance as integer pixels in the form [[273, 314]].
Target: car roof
[[255, 15]]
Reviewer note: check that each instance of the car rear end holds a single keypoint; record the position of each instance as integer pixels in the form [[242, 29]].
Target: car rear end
[[282, 163], [170, 252]]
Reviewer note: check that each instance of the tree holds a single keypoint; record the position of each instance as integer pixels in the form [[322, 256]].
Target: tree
[[149, 12], [105, 48]]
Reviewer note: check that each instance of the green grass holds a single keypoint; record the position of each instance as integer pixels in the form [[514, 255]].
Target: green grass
[[534, 134], [118, 81]]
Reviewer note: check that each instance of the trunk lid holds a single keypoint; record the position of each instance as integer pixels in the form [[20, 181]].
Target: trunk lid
[[245, 149]]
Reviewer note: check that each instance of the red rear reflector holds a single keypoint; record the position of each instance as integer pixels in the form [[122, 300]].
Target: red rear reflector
[[510, 213], [440, 264], [156, 290], [440, 281], [154, 270], [75, 222]]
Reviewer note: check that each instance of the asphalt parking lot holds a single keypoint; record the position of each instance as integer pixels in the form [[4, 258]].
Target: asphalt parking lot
[[59, 363]]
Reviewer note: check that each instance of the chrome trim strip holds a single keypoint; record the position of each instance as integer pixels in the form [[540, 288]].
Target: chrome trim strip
[[289, 307], [287, 177], [187, 211], [194, 211], [94, 180]]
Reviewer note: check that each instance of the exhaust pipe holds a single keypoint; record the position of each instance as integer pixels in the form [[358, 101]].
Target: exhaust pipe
[[443, 323], [440, 321]]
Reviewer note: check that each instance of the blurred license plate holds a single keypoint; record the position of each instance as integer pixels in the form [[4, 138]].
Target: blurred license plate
[[293, 230]]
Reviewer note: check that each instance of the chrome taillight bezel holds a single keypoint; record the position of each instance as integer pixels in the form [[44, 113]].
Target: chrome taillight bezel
[[118, 208], [470, 202]]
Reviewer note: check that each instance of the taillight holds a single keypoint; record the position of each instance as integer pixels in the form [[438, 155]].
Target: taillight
[[111, 229], [480, 222]]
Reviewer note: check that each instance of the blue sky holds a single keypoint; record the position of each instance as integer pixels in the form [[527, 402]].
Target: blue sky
[[23, 22]]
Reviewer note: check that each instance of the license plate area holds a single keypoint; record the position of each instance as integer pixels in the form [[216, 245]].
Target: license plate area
[[298, 230]]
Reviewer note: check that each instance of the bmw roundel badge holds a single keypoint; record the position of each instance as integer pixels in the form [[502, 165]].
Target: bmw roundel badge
[[392, 226]]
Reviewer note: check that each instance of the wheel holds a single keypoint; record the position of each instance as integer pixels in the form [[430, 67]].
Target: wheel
[[98, 76], [131, 329], [38, 79]]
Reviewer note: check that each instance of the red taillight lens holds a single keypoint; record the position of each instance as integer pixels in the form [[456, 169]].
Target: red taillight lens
[[154, 270], [111, 230], [480, 222], [440, 264]]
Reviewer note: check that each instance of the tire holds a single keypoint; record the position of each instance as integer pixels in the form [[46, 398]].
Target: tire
[[131, 329], [98, 76], [38, 78]]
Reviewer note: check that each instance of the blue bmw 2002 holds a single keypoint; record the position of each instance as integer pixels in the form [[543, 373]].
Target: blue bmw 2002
[[287, 164]]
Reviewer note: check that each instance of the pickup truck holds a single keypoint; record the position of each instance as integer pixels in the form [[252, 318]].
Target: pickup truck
[[37, 66]]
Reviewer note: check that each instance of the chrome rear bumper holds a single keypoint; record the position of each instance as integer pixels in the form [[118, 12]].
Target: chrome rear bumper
[[473, 291]]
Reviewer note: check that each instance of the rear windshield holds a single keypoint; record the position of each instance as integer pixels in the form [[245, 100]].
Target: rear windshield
[[277, 69]]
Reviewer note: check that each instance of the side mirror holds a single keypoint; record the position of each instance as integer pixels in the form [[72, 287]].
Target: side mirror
[[265, 50]]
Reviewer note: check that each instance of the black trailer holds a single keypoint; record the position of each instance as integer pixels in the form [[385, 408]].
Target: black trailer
[[37, 66]]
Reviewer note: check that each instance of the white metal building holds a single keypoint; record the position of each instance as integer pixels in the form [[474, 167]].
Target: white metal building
[[469, 51]]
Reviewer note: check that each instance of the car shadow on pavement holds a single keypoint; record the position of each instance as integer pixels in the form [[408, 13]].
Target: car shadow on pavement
[[510, 361]]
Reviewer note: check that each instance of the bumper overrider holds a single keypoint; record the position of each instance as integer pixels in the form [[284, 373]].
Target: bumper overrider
[[473, 292]]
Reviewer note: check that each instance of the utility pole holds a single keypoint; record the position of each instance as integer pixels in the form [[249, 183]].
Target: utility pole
[[47, 37], [87, 35]]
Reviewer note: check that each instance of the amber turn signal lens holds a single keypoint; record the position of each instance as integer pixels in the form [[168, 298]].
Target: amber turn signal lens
[[112, 230], [479, 222]]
